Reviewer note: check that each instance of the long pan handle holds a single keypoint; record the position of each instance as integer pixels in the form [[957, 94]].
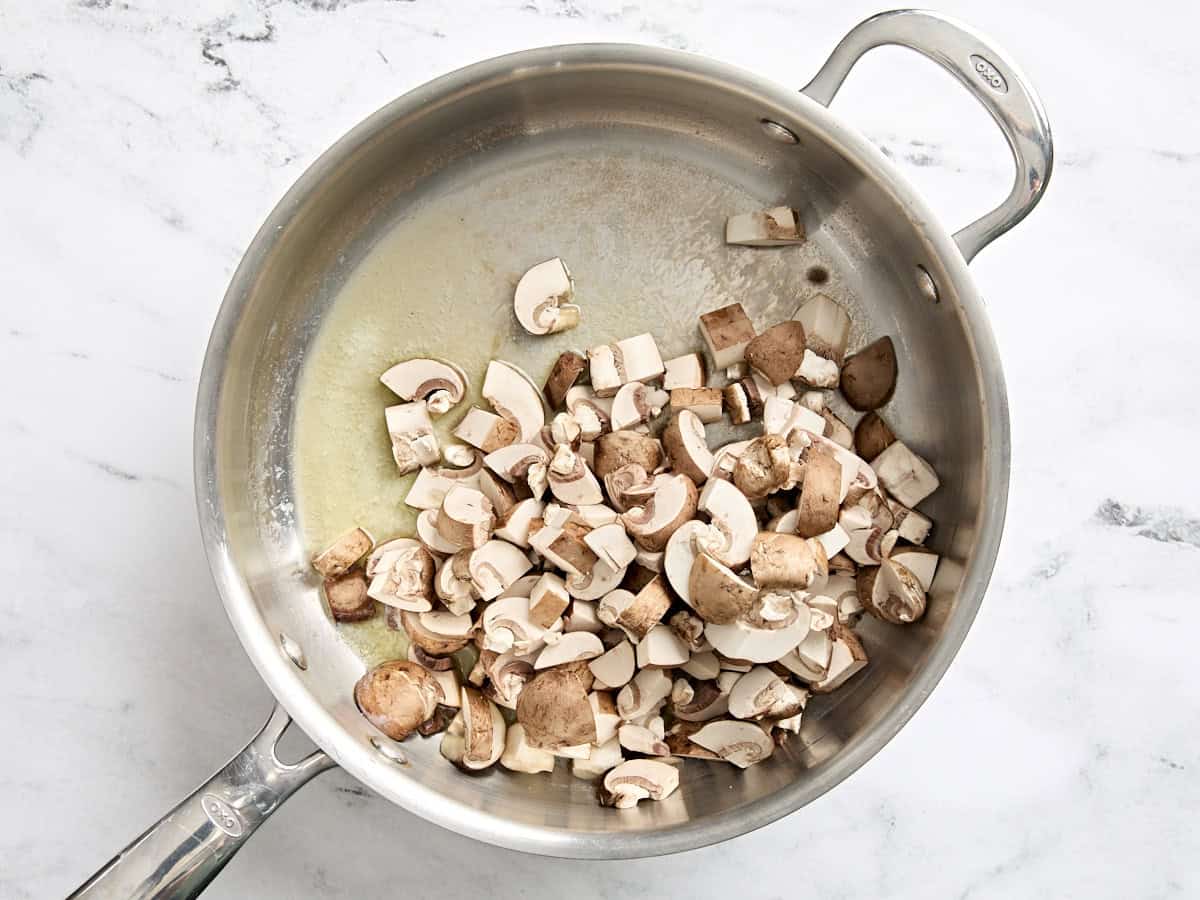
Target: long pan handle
[[987, 72], [180, 854]]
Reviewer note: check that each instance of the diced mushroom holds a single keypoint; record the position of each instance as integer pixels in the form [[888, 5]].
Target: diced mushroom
[[661, 648], [437, 633], [604, 711], [819, 495], [548, 600], [814, 400], [725, 459], [644, 695], [681, 552], [787, 561], [571, 481], [741, 743], [520, 756], [611, 544], [763, 467], [484, 728], [702, 666], [640, 739], [414, 443], [737, 403], [648, 560], [809, 661], [581, 616], [604, 757], [909, 524], [456, 593], [817, 371], [515, 397], [397, 696], [516, 526], [636, 403], [734, 518], [776, 354], [631, 359], [907, 477], [672, 503], [891, 592], [563, 429], [775, 227], [593, 413], [565, 548], [419, 379], [578, 645], [519, 463], [705, 402], [494, 566], [636, 613], [338, 557], [686, 445], [837, 430], [617, 449], [465, 518], [869, 376], [639, 779], [542, 300], [737, 640], [783, 417], [921, 562], [847, 659], [689, 628], [727, 332], [563, 375], [614, 668], [593, 585], [347, 597], [403, 576], [486, 430], [826, 327], [554, 710], [833, 541], [872, 436], [718, 593], [758, 693], [687, 371], [506, 626]]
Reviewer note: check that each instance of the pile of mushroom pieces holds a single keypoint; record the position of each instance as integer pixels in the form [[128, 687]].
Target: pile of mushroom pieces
[[633, 599]]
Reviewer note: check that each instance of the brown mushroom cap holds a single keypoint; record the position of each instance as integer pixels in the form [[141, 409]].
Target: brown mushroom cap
[[347, 597], [430, 641], [620, 448], [872, 436], [397, 696], [763, 467], [820, 493], [787, 560], [869, 376], [563, 375], [554, 710], [777, 353], [717, 593]]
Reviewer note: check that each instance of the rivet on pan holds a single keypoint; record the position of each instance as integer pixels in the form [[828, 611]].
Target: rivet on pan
[[293, 651], [926, 286], [387, 751], [777, 132]]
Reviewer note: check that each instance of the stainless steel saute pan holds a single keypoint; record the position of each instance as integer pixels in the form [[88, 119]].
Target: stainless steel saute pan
[[624, 160]]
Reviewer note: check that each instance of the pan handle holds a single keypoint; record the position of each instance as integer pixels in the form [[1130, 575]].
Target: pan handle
[[179, 855], [987, 72]]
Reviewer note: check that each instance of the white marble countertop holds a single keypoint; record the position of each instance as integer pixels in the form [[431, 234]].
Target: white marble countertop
[[141, 144]]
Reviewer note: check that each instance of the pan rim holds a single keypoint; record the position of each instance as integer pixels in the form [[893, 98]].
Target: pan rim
[[356, 756]]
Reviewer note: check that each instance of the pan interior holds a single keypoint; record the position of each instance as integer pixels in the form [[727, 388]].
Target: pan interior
[[410, 243]]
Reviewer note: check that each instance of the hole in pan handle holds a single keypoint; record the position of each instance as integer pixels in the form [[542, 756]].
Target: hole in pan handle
[[988, 73], [181, 853]]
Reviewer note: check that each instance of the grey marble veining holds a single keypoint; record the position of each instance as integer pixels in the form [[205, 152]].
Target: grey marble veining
[[142, 143]]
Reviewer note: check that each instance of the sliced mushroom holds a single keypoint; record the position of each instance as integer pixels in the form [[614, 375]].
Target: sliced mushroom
[[686, 444], [578, 645], [737, 403], [565, 548], [604, 757], [707, 403], [614, 668], [817, 371], [347, 597], [631, 359], [702, 666], [403, 576], [437, 633], [397, 696], [515, 397], [661, 648], [872, 436], [593, 413], [758, 693], [708, 700], [636, 403], [639, 779], [672, 503], [741, 743], [819, 495], [563, 429], [595, 584], [604, 710], [826, 327], [414, 443], [338, 557], [869, 376], [486, 431], [776, 354], [571, 481], [456, 593], [718, 593], [847, 659], [618, 449], [775, 227], [644, 695], [837, 430], [611, 544], [507, 675], [810, 660], [519, 521], [727, 332], [763, 467], [788, 561], [640, 739], [689, 628], [737, 640], [921, 562], [520, 756], [554, 710], [418, 379], [563, 375], [507, 626], [687, 371], [428, 489], [636, 613], [907, 477], [494, 566], [518, 463], [542, 300], [734, 517], [501, 494], [891, 592], [465, 518], [681, 552]]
